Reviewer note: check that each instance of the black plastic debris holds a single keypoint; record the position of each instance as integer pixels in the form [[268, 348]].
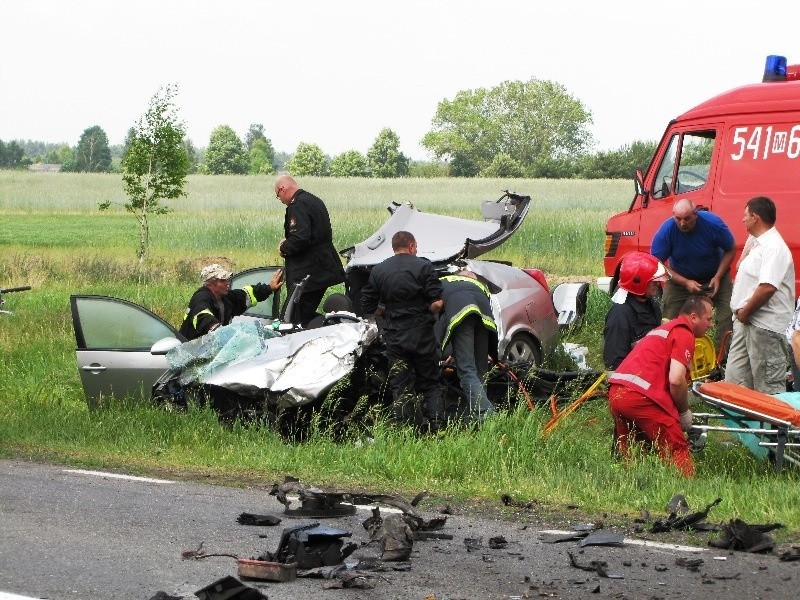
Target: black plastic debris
[[602, 538], [791, 555], [565, 537], [229, 588], [738, 535], [252, 519], [693, 564], [317, 503], [419, 498], [473, 544], [712, 578], [311, 546], [678, 504], [314, 502], [674, 522], [498, 542], [596, 566], [507, 500]]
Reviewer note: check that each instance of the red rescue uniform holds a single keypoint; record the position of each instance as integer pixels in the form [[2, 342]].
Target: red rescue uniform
[[639, 396]]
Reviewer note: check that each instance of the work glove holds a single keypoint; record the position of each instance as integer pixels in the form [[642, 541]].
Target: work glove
[[686, 420]]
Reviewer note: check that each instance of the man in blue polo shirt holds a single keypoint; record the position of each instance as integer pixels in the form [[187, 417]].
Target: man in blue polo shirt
[[698, 248]]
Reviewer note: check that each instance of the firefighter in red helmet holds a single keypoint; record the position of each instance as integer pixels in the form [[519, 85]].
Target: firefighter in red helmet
[[635, 310]]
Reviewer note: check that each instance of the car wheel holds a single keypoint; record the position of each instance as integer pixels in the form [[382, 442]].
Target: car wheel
[[522, 348]]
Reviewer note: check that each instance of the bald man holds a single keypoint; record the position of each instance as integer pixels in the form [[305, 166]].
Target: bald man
[[307, 248], [698, 248]]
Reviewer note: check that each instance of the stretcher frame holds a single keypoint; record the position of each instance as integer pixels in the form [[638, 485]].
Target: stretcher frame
[[780, 436]]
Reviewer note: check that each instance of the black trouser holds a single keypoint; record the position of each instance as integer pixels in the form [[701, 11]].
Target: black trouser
[[411, 371]]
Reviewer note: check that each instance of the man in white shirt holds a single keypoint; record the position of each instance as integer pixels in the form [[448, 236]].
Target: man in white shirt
[[762, 303], [793, 337]]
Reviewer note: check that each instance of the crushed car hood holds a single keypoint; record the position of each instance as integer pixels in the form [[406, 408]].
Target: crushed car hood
[[442, 239], [250, 360]]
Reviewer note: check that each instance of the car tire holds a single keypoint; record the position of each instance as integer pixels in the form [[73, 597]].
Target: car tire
[[522, 348]]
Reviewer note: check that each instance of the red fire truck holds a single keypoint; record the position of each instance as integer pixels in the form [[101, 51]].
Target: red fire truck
[[737, 145]]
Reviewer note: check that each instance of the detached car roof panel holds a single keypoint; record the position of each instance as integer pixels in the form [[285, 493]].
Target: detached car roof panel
[[443, 239]]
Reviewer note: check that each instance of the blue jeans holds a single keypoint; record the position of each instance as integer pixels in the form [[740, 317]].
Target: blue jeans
[[471, 350]]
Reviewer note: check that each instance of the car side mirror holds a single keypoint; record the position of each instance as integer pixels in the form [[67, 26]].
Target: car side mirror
[[164, 345]]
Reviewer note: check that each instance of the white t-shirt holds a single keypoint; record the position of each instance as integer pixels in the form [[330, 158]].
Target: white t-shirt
[[795, 324], [767, 261]]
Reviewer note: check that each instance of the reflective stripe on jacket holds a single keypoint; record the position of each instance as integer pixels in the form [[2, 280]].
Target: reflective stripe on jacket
[[204, 312], [464, 296], [646, 368]]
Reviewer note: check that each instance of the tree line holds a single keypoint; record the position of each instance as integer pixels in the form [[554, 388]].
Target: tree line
[[515, 129]]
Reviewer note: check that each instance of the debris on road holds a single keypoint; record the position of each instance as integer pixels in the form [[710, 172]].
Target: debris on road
[[393, 533], [678, 504], [473, 544], [267, 570], [792, 554], [602, 538], [738, 535], [229, 588], [507, 500], [693, 564], [252, 519], [674, 522], [596, 566], [310, 546], [566, 537]]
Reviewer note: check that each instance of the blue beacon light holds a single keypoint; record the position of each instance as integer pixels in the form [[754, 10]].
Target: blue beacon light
[[775, 68]]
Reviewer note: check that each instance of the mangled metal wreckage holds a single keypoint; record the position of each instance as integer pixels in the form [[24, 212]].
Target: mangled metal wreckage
[[246, 368], [260, 364]]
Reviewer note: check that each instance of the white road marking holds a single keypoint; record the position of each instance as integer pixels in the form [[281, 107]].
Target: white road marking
[[7, 596], [365, 507], [634, 542], [116, 476]]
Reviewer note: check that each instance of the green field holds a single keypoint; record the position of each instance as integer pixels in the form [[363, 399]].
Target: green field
[[53, 237]]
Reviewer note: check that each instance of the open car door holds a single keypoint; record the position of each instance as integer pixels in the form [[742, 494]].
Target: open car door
[[271, 307], [121, 347]]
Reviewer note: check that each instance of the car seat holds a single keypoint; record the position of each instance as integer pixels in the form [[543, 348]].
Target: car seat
[[336, 309]]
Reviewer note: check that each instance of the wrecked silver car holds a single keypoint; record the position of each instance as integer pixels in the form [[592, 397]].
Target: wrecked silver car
[[521, 300], [260, 364]]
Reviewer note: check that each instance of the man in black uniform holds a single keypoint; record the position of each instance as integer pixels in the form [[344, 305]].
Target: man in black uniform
[[307, 248], [215, 304], [405, 290], [634, 311]]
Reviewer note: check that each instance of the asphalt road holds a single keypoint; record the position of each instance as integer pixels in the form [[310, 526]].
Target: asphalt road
[[73, 534]]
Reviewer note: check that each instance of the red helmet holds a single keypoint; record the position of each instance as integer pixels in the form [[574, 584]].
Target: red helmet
[[637, 270]]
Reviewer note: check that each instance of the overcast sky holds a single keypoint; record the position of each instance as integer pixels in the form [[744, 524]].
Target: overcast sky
[[335, 73]]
